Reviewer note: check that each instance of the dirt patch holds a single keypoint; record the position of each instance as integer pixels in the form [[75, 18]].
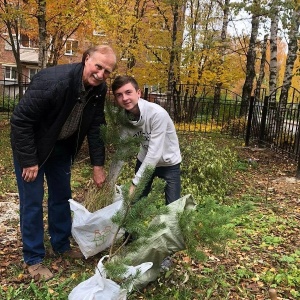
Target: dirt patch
[[9, 218]]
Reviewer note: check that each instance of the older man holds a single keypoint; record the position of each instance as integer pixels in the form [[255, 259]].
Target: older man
[[62, 105]]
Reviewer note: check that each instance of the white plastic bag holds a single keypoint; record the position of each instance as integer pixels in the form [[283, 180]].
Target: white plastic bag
[[98, 287], [94, 232]]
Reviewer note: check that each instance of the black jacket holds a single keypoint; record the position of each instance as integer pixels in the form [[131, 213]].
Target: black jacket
[[39, 116]]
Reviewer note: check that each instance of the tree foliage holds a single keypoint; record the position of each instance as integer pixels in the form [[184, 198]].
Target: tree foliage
[[158, 42]]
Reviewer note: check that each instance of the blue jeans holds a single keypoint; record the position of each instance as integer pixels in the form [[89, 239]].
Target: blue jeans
[[171, 175], [57, 170]]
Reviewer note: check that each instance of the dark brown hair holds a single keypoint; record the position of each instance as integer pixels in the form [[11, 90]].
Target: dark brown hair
[[122, 80]]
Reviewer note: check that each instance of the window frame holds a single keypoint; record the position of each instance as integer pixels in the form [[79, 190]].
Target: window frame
[[32, 44], [12, 73], [72, 51], [35, 70]]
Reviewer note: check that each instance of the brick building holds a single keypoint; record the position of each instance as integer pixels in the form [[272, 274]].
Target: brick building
[[29, 58]]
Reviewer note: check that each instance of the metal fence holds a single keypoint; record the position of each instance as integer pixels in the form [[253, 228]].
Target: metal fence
[[197, 109], [10, 92], [275, 124], [204, 109]]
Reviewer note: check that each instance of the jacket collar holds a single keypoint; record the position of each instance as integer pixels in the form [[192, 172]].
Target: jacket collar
[[140, 121]]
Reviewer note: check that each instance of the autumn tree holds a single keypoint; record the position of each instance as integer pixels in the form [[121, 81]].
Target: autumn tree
[[64, 19], [50, 22], [13, 14], [223, 48], [293, 35], [263, 61], [174, 18], [293, 48], [42, 28], [273, 50], [125, 26], [251, 57], [199, 38], [164, 43]]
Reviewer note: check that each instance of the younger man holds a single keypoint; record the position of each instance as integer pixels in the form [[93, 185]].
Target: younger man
[[160, 147]]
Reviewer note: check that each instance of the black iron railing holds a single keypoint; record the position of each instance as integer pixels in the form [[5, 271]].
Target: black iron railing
[[267, 123]]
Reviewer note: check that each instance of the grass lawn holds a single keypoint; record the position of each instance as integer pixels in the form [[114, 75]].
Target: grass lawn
[[264, 255]]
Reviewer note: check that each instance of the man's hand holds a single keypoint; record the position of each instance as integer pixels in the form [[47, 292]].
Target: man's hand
[[131, 189], [29, 174], [99, 175]]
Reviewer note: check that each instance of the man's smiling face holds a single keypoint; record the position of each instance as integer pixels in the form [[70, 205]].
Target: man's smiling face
[[127, 97], [97, 68]]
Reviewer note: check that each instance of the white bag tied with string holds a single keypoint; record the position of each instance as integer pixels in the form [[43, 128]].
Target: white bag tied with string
[[94, 232], [98, 287]]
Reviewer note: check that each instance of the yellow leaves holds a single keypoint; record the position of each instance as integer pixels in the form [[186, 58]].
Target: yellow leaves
[[198, 127], [186, 259], [256, 278], [50, 291]]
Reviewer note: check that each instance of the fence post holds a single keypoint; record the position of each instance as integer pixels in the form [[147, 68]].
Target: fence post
[[263, 121], [145, 96], [298, 168], [250, 114]]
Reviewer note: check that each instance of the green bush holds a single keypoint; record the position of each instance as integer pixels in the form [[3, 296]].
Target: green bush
[[206, 167], [210, 226], [7, 103]]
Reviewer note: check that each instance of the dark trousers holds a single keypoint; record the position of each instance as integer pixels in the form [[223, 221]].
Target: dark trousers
[[171, 175], [57, 170]]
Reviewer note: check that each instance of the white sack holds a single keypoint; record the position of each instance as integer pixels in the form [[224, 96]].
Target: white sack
[[98, 287], [94, 232]]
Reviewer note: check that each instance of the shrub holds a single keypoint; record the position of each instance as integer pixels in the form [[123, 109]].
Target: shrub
[[206, 168], [234, 127]]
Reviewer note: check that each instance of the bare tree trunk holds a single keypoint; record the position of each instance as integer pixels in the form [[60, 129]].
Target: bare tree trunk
[[273, 56], [217, 94], [41, 18], [203, 59], [177, 7], [171, 72], [139, 12], [261, 75], [288, 74], [250, 66], [291, 56]]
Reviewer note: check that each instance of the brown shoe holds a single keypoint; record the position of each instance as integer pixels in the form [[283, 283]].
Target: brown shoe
[[39, 272], [72, 253]]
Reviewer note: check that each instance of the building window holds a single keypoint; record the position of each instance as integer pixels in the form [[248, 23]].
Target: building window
[[71, 47], [32, 72], [10, 73], [27, 42], [99, 32]]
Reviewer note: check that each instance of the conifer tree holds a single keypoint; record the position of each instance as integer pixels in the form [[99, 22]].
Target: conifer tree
[[208, 226], [122, 147]]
